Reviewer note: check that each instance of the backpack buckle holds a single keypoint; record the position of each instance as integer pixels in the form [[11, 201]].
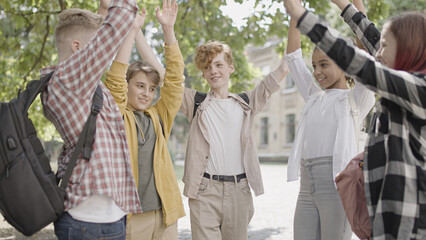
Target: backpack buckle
[[95, 109]]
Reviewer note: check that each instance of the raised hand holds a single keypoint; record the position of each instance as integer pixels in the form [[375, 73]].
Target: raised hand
[[140, 19], [167, 17]]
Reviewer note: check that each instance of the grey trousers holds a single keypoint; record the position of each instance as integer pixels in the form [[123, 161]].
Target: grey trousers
[[319, 212]]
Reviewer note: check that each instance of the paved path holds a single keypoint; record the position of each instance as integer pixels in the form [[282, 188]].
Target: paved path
[[272, 220]]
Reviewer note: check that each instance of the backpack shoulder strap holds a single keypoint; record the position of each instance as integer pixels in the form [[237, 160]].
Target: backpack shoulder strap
[[198, 99], [355, 115], [245, 97], [86, 138], [32, 90]]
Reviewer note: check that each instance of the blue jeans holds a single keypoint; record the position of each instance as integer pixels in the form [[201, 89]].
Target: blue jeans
[[67, 228], [319, 210]]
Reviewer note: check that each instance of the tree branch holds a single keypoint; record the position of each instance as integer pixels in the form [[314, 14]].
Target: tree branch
[[204, 15], [182, 20], [40, 56], [30, 13], [62, 4]]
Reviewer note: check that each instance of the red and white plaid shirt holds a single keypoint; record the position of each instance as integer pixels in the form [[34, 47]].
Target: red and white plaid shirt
[[67, 103]]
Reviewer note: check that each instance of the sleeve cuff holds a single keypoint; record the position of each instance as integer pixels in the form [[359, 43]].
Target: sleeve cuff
[[273, 85], [348, 13], [127, 4], [293, 55], [302, 18], [171, 48], [119, 68]]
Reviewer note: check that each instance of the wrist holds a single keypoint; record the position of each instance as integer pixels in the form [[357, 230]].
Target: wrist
[[168, 28], [342, 4], [102, 11]]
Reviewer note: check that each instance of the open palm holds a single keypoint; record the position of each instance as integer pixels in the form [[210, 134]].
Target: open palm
[[167, 17]]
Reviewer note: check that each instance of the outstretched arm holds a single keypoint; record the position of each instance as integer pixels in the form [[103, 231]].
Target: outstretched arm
[[116, 76], [123, 55], [167, 19], [301, 75], [293, 39], [399, 87], [172, 90]]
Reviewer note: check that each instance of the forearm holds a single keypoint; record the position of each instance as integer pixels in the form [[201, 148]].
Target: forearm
[[281, 71], [293, 42], [169, 35], [147, 54], [365, 30], [117, 85], [341, 3], [123, 55], [360, 6]]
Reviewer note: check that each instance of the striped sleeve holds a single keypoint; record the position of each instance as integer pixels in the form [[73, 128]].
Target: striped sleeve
[[364, 29], [405, 89]]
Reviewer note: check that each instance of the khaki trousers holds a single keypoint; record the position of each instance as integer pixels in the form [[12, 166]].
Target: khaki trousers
[[222, 211], [150, 225]]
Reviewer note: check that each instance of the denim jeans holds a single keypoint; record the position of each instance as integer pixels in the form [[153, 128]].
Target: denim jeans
[[319, 210], [67, 228]]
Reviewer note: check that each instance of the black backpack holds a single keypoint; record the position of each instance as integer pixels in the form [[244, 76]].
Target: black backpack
[[200, 96], [30, 197]]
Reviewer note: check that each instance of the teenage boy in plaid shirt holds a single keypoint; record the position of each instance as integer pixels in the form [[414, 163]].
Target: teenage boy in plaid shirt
[[101, 191]]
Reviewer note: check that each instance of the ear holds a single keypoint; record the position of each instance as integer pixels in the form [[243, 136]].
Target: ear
[[75, 45], [232, 69]]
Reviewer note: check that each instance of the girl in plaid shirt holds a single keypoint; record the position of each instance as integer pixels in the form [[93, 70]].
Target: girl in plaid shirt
[[395, 172]]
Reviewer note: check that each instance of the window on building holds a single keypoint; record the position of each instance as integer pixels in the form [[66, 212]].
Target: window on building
[[290, 128], [289, 82], [264, 131]]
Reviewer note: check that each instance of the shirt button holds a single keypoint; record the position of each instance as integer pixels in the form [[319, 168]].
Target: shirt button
[[207, 157]]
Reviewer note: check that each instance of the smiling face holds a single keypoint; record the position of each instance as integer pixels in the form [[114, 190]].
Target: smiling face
[[388, 47], [217, 73], [326, 72], [141, 92]]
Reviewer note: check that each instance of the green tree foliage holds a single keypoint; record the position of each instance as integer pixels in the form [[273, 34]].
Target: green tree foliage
[[27, 42]]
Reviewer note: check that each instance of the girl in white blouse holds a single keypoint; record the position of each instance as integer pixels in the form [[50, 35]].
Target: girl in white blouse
[[325, 141]]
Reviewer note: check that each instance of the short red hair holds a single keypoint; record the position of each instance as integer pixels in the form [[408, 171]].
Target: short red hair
[[409, 30]]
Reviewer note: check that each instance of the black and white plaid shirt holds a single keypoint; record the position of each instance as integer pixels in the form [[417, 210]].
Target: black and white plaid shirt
[[395, 173]]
